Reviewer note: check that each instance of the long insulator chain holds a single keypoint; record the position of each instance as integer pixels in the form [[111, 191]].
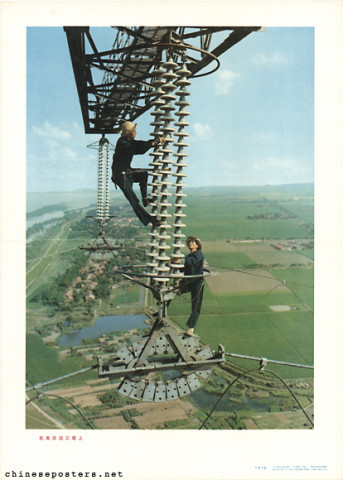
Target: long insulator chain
[[167, 129], [103, 204], [157, 113], [100, 204], [182, 93]]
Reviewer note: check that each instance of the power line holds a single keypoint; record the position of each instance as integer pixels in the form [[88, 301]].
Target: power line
[[290, 391], [267, 360], [261, 369], [41, 396], [264, 276], [43, 384], [223, 394]]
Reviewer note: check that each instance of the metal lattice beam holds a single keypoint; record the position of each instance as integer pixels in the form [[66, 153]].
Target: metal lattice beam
[[125, 90]]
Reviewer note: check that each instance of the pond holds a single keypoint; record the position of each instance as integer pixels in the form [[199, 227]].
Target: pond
[[205, 400], [112, 323]]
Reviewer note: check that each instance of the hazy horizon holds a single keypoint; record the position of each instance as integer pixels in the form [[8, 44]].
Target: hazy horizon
[[91, 190]]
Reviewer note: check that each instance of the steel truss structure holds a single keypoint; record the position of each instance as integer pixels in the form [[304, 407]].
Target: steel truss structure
[[150, 68], [125, 91]]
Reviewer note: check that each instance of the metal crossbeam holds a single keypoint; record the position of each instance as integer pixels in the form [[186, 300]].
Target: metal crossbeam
[[126, 92]]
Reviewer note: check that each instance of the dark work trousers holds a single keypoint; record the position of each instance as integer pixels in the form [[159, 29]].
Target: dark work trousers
[[125, 183], [196, 292]]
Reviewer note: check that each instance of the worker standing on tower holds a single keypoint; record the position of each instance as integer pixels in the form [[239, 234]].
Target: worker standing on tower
[[194, 264], [124, 175]]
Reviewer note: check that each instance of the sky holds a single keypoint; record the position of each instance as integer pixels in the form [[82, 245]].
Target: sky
[[251, 121]]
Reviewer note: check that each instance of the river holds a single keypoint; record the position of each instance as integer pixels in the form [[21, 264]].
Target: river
[[43, 218]]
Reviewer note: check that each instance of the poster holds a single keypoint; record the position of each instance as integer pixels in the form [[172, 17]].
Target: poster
[[174, 454]]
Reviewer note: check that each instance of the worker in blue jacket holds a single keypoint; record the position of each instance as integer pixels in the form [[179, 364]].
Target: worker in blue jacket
[[194, 263], [124, 175]]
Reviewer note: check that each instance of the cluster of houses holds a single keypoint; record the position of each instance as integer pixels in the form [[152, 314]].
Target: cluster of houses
[[292, 245], [87, 280]]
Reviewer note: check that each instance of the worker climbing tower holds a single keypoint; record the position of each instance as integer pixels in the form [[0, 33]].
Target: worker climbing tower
[[150, 69]]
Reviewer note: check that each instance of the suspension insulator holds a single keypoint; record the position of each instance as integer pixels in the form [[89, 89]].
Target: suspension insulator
[[157, 82], [103, 195], [100, 211], [179, 174], [107, 181], [165, 170]]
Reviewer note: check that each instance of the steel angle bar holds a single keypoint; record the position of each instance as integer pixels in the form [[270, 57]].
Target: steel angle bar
[[178, 344], [149, 367], [112, 371]]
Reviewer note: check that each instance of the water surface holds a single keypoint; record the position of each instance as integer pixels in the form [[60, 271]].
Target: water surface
[[112, 323]]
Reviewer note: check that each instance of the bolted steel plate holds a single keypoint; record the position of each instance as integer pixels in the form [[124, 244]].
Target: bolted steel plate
[[126, 386], [138, 346], [138, 390], [161, 344], [161, 392], [193, 382], [204, 374], [183, 387], [172, 392], [124, 354], [149, 392], [205, 353]]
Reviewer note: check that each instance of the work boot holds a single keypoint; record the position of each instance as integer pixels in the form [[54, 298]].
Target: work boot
[[155, 222], [190, 332], [146, 201]]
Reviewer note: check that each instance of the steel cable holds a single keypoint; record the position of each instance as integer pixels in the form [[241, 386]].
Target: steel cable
[[290, 391], [261, 369], [223, 394], [40, 394]]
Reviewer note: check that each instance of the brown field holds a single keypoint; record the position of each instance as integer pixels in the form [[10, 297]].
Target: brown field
[[250, 424], [154, 414], [227, 281], [261, 252], [86, 396], [115, 423]]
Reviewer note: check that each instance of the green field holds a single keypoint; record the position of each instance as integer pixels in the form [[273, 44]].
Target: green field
[[229, 260], [222, 215]]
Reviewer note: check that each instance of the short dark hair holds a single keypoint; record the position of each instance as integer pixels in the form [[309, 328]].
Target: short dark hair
[[194, 239]]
